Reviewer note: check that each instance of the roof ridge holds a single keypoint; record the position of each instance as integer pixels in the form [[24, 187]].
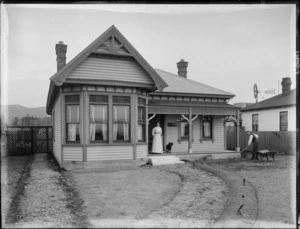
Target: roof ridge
[[193, 81]]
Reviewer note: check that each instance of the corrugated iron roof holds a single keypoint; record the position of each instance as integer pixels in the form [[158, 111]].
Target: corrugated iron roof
[[179, 84], [274, 102]]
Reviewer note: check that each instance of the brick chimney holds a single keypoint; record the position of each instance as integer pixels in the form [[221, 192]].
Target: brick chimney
[[182, 68], [61, 50], [286, 85]]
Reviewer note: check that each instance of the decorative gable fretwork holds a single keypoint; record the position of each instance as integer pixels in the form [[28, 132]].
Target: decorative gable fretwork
[[112, 46]]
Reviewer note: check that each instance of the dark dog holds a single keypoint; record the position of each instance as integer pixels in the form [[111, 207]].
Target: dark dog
[[266, 153], [169, 147]]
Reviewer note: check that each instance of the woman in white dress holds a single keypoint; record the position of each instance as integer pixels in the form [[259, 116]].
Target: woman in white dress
[[157, 141]]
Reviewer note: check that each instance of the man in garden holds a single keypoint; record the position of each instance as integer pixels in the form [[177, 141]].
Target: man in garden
[[253, 138]]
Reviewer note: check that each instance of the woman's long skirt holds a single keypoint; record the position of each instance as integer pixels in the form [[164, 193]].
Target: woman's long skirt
[[157, 146]]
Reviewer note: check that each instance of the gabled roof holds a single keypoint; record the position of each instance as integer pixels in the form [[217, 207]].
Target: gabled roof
[[282, 100], [111, 42], [180, 85], [60, 77]]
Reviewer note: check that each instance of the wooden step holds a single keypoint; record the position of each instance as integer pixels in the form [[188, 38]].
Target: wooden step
[[164, 160]]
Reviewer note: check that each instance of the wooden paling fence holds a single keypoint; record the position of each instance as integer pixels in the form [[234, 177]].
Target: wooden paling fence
[[281, 141], [24, 140]]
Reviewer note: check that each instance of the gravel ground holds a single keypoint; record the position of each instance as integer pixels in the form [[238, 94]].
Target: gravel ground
[[45, 201], [164, 196], [12, 169]]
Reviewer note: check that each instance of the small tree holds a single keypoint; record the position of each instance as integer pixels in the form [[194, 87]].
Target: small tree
[[16, 121]]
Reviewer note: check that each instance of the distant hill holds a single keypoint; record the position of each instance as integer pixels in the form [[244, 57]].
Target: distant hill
[[21, 111]]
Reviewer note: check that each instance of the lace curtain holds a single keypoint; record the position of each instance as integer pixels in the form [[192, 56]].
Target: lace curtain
[[121, 129], [206, 129], [100, 118], [72, 116]]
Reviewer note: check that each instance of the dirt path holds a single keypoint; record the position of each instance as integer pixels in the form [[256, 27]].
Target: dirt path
[[164, 196], [12, 169], [201, 197], [44, 200], [274, 183]]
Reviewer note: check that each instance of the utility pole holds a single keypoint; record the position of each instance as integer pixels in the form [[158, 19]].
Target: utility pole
[[237, 149]]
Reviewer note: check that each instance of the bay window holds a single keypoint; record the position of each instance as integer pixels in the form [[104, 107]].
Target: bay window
[[121, 118], [98, 118], [72, 118]]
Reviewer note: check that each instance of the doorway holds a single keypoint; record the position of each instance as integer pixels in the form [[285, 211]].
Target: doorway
[[152, 123]]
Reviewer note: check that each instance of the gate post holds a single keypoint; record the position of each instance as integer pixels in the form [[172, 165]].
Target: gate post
[[237, 149], [47, 139], [31, 130]]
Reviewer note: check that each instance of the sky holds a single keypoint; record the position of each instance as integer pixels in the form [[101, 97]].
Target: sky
[[229, 47]]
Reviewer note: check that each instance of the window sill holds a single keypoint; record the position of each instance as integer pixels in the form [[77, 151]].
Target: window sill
[[110, 144], [98, 142], [207, 140]]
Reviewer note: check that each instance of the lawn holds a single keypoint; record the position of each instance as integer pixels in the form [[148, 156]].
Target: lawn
[[274, 183], [164, 196]]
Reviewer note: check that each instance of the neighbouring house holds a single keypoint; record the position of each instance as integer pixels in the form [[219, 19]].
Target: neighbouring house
[[105, 102], [274, 120], [277, 113]]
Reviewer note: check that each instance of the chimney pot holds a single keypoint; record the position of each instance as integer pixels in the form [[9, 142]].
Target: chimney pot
[[286, 85], [61, 50], [182, 68]]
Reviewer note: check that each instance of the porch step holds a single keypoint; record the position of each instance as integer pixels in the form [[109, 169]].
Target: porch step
[[164, 160]]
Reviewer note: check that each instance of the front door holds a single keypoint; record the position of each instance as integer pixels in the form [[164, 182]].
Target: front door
[[152, 123]]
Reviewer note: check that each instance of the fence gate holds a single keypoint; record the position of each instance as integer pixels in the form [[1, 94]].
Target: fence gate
[[231, 138], [24, 140]]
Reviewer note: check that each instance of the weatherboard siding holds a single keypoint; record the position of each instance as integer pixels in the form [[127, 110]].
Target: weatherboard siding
[[141, 151], [109, 152], [218, 135], [198, 147], [268, 120], [57, 123], [110, 69], [72, 153]]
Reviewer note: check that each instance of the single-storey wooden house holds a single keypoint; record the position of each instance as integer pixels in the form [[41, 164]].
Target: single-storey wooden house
[[106, 100], [277, 113]]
